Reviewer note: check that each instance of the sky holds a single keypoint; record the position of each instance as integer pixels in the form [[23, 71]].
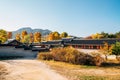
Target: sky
[[76, 17]]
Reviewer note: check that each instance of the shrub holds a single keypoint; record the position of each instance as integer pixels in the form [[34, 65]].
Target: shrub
[[74, 56], [59, 54], [88, 59], [71, 55], [97, 60], [45, 56]]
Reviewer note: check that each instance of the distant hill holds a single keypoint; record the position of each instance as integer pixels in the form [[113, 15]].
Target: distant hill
[[29, 30]]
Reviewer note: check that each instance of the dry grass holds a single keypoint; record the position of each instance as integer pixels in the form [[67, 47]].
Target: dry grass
[[71, 55], [82, 72]]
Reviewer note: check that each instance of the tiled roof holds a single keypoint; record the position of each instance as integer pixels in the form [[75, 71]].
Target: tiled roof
[[93, 41]]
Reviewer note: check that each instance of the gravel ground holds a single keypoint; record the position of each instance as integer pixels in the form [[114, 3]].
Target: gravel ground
[[27, 70]]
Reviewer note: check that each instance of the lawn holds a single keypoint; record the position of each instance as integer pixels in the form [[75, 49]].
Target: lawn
[[84, 72]]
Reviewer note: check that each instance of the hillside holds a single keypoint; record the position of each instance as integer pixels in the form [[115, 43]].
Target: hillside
[[29, 30]]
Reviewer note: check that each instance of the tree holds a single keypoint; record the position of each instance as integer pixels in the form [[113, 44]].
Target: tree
[[64, 35], [116, 48], [3, 35], [118, 34], [97, 36], [9, 34], [24, 33], [111, 36], [88, 37], [105, 35], [26, 39], [106, 49], [17, 37], [51, 36], [37, 37], [31, 38], [56, 35]]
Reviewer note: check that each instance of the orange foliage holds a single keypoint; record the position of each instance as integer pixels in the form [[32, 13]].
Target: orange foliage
[[37, 37], [9, 34]]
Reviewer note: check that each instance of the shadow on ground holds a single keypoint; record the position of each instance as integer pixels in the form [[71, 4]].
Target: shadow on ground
[[16, 57], [110, 65]]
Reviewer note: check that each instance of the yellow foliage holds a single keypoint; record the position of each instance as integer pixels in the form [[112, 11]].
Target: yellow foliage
[[63, 35], [37, 37], [17, 37], [24, 33], [106, 49], [3, 36], [54, 36], [97, 36]]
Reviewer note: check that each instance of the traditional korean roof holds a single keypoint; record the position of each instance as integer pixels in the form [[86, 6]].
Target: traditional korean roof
[[93, 41], [12, 42]]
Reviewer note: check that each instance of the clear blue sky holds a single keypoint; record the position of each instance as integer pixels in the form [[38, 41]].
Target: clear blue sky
[[77, 17]]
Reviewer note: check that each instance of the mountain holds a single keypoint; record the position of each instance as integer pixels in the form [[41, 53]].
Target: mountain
[[29, 30]]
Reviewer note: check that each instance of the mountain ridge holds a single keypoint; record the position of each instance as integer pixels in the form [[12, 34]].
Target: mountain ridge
[[30, 30]]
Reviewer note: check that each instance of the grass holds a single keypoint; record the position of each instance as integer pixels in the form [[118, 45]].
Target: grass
[[84, 72], [92, 78], [98, 78]]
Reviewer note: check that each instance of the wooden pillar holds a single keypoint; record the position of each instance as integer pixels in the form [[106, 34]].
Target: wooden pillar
[[98, 47], [76, 46], [82, 46], [89, 46]]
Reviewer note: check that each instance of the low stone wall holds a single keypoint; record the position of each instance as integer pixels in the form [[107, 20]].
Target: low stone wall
[[16, 52]]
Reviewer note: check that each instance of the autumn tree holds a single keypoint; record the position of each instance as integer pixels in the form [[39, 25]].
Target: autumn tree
[[56, 35], [64, 35], [37, 37], [24, 33], [17, 37], [106, 48], [50, 36], [9, 34], [105, 35], [88, 37], [26, 39], [31, 37], [97, 36], [3, 36]]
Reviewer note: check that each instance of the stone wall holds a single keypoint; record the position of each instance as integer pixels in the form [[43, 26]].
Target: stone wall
[[16, 52]]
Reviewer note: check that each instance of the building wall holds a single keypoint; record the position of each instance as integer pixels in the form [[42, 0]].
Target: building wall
[[16, 52]]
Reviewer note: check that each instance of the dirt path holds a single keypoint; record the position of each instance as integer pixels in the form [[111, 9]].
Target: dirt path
[[27, 70]]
